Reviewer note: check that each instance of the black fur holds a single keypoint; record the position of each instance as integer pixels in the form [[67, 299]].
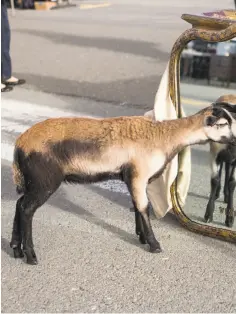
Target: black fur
[[226, 156], [41, 177], [67, 149]]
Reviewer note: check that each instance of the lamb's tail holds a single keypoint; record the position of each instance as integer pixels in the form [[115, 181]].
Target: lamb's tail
[[18, 177]]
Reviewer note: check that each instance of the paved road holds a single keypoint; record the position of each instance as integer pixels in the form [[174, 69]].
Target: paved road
[[89, 257]]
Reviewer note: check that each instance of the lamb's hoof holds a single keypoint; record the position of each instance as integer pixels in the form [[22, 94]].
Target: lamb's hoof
[[31, 257], [226, 199], [18, 253], [31, 260], [142, 239], [208, 218], [155, 249], [217, 196], [229, 222]]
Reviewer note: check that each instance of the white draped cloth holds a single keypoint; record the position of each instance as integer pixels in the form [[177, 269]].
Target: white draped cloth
[[158, 190]]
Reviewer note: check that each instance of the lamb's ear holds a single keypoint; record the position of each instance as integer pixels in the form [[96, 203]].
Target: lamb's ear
[[219, 113], [225, 105]]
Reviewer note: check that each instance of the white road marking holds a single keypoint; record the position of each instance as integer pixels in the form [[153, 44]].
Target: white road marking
[[94, 6], [15, 114], [7, 151]]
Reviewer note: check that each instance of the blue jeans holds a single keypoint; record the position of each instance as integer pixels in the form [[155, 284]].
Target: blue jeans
[[6, 37]]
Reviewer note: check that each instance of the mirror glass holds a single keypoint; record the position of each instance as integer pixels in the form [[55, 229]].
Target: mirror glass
[[207, 71]]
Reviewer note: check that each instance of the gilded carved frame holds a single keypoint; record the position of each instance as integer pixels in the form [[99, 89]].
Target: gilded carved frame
[[215, 30]]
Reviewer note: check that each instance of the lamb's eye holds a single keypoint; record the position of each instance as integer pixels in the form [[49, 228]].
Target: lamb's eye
[[221, 125]]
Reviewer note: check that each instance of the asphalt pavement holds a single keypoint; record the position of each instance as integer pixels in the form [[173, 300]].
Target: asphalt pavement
[[105, 61]]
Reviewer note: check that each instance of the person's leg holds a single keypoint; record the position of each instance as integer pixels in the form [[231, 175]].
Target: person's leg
[[5, 41], [7, 79]]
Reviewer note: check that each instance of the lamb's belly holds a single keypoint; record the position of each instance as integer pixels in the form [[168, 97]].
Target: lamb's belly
[[109, 162], [99, 167]]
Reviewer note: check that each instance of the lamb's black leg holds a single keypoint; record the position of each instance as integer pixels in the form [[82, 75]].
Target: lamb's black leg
[[229, 221], [29, 204], [16, 232], [128, 178], [215, 181], [219, 184], [226, 186], [139, 227], [149, 234], [140, 201]]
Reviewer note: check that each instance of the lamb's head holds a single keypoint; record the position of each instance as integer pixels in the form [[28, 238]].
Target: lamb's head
[[230, 110], [220, 123]]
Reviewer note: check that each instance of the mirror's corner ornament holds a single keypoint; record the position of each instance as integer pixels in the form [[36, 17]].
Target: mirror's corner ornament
[[214, 26]]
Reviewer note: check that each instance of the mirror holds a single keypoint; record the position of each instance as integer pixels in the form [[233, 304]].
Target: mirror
[[207, 71]]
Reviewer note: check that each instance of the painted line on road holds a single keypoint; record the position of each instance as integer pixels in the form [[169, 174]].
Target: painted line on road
[[7, 151], [88, 6], [194, 102]]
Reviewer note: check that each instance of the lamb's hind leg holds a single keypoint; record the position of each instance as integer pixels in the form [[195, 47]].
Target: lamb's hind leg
[[28, 206], [16, 232], [229, 221]]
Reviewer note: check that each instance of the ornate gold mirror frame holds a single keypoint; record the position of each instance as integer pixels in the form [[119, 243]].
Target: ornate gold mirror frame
[[215, 27]]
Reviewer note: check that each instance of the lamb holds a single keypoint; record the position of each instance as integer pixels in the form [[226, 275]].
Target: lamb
[[222, 154], [87, 150]]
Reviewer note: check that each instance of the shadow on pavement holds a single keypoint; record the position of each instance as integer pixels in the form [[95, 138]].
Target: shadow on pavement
[[133, 92], [128, 46]]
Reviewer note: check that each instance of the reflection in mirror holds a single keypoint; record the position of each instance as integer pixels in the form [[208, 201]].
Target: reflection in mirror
[[208, 71]]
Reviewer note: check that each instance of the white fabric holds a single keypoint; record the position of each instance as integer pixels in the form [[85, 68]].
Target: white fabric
[[158, 191]]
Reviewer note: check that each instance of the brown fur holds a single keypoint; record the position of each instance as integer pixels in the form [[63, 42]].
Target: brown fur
[[110, 131], [227, 98]]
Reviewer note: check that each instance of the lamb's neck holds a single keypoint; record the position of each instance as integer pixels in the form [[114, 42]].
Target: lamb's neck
[[183, 132]]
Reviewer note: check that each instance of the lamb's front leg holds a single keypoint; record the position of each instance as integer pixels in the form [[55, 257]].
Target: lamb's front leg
[[140, 201], [226, 184], [219, 184], [139, 227], [215, 183], [229, 221]]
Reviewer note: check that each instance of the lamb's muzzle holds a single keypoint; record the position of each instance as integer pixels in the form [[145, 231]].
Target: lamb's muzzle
[[85, 150]]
